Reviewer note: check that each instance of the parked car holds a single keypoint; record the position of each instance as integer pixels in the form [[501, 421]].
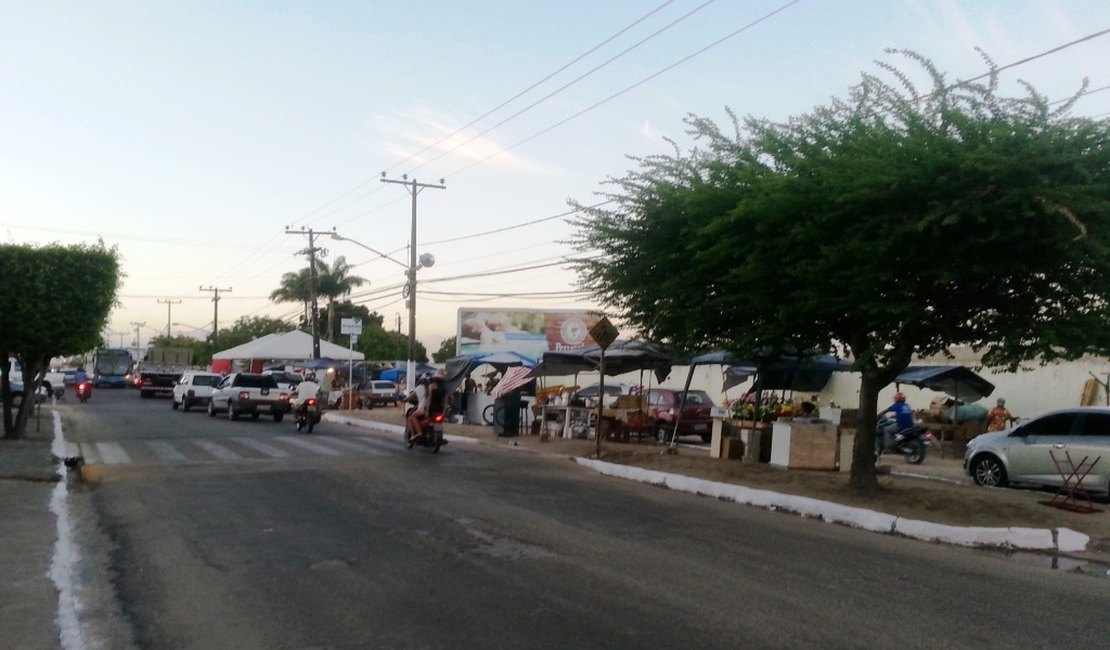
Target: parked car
[[249, 393], [379, 392], [697, 420], [1024, 452], [194, 388]]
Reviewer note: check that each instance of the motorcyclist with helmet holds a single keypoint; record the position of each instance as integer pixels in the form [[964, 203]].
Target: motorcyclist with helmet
[[430, 398], [903, 416], [306, 389]]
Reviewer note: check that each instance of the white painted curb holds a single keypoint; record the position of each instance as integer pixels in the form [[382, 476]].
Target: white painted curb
[[1036, 539], [384, 427]]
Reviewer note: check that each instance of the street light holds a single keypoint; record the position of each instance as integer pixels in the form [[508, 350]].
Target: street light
[[426, 260]]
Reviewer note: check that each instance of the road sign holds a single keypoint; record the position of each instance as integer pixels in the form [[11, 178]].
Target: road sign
[[350, 326], [604, 332]]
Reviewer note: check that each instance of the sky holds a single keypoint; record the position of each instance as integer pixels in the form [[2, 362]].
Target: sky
[[192, 136]]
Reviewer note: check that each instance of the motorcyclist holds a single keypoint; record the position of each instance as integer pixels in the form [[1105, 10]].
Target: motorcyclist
[[903, 417], [432, 398], [418, 409], [80, 376], [306, 389]]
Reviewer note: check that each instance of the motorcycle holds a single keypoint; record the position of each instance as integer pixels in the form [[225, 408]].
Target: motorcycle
[[431, 435], [308, 414], [910, 443], [84, 391]]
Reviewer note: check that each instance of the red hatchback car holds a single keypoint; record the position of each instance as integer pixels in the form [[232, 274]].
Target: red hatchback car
[[664, 404]]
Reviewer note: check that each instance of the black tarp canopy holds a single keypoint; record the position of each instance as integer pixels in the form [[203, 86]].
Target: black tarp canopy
[[958, 381], [621, 357], [806, 373]]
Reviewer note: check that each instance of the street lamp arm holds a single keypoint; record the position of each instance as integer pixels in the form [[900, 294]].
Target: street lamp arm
[[339, 237]]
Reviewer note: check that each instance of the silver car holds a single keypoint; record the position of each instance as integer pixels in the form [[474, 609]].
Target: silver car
[[1045, 449]]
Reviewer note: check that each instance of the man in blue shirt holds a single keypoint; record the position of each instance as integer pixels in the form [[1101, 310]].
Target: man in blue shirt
[[903, 415]]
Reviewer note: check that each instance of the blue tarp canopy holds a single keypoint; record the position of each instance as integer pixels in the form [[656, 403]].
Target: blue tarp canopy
[[958, 381], [398, 373]]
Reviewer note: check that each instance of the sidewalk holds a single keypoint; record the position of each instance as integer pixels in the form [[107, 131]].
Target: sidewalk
[[28, 597]]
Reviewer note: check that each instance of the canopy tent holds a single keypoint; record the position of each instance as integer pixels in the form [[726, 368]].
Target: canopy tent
[[398, 373], [288, 345], [806, 373], [958, 381], [621, 357]]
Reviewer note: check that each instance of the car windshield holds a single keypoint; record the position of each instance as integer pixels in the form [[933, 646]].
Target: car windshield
[[206, 380], [256, 381]]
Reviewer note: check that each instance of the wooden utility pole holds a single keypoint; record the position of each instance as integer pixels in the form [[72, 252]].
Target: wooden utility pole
[[215, 312], [169, 319]]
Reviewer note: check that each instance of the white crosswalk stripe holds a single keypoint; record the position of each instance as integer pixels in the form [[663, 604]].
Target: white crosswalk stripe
[[219, 451], [112, 453], [88, 452], [258, 445], [352, 444], [311, 446], [165, 451]]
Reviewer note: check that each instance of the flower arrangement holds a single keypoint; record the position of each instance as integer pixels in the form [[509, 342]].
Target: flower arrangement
[[745, 408]]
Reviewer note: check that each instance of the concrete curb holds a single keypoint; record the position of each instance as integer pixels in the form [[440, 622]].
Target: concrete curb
[[1012, 538], [1062, 540]]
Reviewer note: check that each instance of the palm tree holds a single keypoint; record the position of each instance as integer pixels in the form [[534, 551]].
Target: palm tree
[[335, 282], [297, 287]]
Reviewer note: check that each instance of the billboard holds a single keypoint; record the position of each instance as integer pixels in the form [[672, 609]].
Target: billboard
[[529, 332]]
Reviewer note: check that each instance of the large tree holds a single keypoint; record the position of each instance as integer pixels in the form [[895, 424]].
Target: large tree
[[297, 287], [56, 300], [891, 223], [446, 350]]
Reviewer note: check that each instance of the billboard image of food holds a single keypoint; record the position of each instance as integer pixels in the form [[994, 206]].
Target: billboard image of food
[[530, 332]]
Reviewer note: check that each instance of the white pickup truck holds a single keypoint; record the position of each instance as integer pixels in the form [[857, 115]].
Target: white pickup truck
[[249, 393]]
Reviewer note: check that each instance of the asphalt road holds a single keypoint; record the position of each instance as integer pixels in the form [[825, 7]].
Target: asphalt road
[[219, 534]]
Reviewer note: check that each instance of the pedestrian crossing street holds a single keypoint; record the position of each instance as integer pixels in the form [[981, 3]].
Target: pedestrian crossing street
[[229, 449]]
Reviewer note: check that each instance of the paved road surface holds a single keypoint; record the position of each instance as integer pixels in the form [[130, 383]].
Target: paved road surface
[[244, 534]]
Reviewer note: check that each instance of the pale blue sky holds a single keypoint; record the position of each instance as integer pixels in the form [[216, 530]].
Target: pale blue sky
[[190, 134]]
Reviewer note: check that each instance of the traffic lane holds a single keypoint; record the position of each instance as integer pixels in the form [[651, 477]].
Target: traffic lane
[[120, 414], [516, 551]]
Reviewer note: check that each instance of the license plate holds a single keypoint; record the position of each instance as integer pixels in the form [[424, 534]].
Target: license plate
[[311, 408], [263, 407]]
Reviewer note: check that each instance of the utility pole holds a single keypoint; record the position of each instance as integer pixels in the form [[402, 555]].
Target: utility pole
[[215, 311], [138, 341], [311, 252], [414, 188], [169, 319]]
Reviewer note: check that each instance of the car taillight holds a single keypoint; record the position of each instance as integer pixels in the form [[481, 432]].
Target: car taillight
[[670, 412], [284, 397], [244, 394]]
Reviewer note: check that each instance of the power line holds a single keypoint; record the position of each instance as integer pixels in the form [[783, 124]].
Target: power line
[[514, 227], [627, 89], [1036, 56], [565, 86]]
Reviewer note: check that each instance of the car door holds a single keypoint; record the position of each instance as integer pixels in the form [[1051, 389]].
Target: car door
[[1030, 444], [219, 396], [1091, 443]]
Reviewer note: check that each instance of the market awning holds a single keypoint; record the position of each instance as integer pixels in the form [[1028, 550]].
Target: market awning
[[458, 368], [621, 357], [806, 373], [958, 381]]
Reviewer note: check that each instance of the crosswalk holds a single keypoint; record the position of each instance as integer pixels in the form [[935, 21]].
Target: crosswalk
[[167, 451]]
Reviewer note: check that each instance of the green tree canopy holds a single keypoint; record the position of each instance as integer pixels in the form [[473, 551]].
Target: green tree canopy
[[336, 281], [893, 222], [56, 302], [446, 349]]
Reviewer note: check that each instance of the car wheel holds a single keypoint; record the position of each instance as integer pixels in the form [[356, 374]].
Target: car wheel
[[173, 404], [255, 416], [706, 437], [184, 404], [989, 471], [232, 414], [211, 409], [278, 417]]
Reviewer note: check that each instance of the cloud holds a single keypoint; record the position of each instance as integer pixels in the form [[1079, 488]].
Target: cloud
[[422, 136]]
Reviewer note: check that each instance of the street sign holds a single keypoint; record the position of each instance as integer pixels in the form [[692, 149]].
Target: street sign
[[604, 332], [350, 326]]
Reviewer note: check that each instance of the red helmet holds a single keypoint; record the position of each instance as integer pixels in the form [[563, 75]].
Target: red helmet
[[899, 397]]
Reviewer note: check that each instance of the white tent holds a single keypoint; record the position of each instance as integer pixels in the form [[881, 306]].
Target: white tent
[[291, 346]]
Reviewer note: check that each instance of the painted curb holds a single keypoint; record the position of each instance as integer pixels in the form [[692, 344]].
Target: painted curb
[[1010, 538]]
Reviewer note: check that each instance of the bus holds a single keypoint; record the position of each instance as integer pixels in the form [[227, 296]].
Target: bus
[[112, 368]]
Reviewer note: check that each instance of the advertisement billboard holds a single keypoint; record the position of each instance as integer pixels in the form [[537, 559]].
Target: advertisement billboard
[[530, 332]]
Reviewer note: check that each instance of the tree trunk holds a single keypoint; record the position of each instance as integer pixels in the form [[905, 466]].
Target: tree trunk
[[5, 391], [863, 478]]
